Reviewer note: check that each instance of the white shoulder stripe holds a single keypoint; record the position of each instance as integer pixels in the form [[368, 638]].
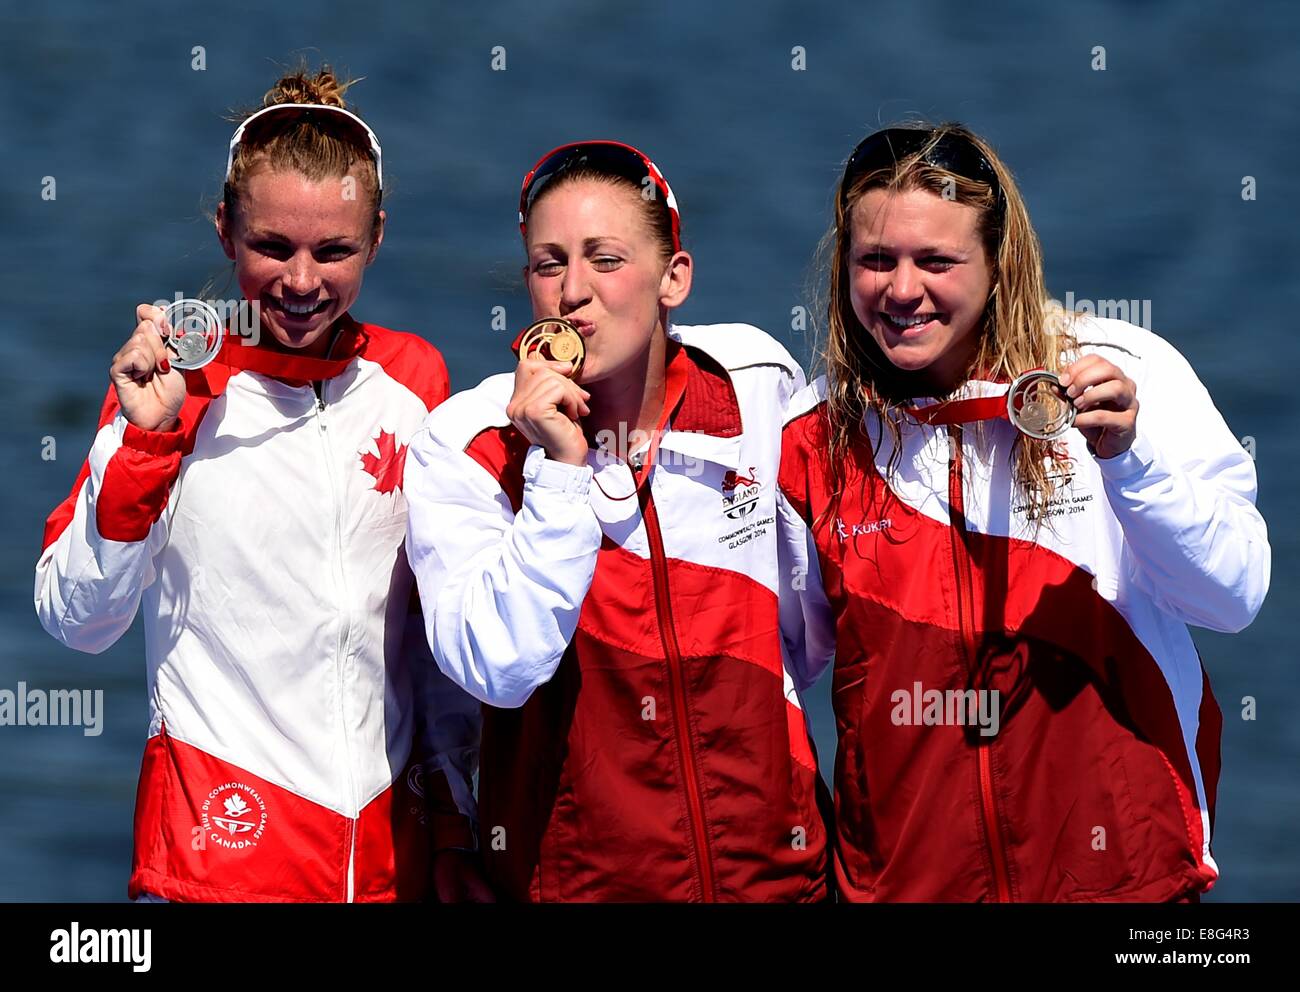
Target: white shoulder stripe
[[735, 346], [463, 416], [806, 399]]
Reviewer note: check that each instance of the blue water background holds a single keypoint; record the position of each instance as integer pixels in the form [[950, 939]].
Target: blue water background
[[1133, 176]]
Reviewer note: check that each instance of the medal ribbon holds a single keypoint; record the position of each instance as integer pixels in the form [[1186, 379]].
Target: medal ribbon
[[961, 411]]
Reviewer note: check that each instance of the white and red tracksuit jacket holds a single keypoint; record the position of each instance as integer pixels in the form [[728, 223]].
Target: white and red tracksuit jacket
[[291, 703], [642, 740], [1099, 783]]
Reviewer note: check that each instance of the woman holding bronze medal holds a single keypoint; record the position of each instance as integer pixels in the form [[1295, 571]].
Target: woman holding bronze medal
[[594, 541], [243, 493], [1000, 519]]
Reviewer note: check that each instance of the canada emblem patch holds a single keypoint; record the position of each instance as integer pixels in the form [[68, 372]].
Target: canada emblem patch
[[387, 466]]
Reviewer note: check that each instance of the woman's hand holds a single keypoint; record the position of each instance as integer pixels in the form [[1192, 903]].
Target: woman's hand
[[149, 390], [1107, 403], [458, 877], [545, 408]]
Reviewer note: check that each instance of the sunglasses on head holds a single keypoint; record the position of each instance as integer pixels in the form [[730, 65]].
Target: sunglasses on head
[[604, 157], [952, 152]]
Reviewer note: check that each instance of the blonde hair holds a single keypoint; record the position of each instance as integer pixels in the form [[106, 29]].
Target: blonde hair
[[1019, 328], [317, 145]]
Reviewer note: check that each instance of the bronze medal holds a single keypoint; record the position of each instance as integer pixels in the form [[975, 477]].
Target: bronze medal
[[555, 340]]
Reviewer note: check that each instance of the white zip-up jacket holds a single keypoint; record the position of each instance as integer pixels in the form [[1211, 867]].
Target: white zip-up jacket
[[1033, 689], [296, 721]]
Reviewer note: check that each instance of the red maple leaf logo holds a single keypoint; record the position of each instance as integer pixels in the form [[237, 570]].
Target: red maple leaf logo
[[387, 466]]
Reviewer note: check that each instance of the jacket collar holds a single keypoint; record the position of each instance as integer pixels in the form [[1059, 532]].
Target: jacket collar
[[296, 370], [701, 415], [705, 422]]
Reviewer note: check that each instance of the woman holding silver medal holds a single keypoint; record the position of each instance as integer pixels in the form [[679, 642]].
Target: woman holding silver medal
[[594, 541], [999, 519], [244, 495]]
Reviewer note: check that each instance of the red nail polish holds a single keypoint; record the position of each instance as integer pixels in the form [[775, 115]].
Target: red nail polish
[[165, 365]]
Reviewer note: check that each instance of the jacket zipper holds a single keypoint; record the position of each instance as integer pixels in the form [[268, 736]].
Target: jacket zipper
[[318, 407], [966, 622], [681, 720]]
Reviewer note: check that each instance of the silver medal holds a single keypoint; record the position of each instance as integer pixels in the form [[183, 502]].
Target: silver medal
[[1038, 406], [196, 333]]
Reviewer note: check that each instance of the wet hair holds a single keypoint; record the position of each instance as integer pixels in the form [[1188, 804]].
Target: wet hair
[[1019, 329], [318, 146]]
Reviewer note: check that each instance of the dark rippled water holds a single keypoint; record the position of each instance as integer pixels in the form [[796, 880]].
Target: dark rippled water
[[1133, 176]]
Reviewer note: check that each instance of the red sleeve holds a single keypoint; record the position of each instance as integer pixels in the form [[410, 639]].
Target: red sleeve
[[137, 481], [58, 521], [795, 462], [139, 476], [501, 451]]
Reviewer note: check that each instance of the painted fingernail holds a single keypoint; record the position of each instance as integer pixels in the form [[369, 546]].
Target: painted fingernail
[[165, 365]]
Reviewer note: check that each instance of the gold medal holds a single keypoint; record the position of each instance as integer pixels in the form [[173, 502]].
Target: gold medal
[[1038, 406], [555, 340]]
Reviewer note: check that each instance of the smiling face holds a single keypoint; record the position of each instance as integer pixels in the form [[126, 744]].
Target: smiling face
[[593, 260], [300, 248], [918, 280]]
